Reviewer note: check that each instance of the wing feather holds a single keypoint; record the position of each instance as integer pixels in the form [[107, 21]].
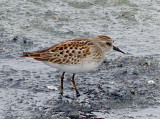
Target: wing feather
[[68, 52]]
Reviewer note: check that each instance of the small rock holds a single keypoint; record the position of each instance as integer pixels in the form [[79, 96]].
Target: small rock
[[151, 82], [52, 87], [148, 63], [135, 73], [10, 79], [15, 38], [74, 115], [37, 76], [124, 72], [120, 65], [24, 41], [87, 109], [27, 41], [133, 92]]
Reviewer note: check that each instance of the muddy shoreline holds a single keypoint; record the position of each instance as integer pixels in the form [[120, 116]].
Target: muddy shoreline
[[123, 87], [125, 83]]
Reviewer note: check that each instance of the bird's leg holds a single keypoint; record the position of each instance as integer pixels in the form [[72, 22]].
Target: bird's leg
[[75, 86], [62, 77]]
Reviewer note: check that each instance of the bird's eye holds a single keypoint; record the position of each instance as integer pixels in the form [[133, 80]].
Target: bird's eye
[[108, 43]]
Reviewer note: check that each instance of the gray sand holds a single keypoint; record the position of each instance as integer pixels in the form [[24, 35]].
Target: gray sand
[[123, 87]]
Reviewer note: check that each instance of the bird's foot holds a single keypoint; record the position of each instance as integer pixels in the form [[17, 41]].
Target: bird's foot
[[77, 94]]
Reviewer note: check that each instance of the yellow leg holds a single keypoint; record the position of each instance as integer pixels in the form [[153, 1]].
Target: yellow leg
[[75, 86]]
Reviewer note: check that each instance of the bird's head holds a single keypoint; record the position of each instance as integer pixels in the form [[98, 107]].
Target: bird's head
[[106, 43]]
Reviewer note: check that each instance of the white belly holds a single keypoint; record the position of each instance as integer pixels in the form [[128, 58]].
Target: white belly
[[74, 68]]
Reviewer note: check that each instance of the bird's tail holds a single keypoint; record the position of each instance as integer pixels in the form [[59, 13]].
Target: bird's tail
[[31, 54], [25, 54]]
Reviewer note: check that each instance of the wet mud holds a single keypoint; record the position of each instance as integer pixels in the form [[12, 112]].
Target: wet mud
[[30, 89], [123, 87]]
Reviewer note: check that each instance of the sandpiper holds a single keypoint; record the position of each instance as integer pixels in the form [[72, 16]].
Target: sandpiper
[[75, 56]]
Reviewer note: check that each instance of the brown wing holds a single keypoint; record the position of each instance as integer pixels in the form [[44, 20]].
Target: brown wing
[[68, 52]]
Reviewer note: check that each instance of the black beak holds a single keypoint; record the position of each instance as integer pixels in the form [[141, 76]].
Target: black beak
[[117, 49]]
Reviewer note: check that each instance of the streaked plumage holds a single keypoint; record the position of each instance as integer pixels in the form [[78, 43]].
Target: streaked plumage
[[76, 55]]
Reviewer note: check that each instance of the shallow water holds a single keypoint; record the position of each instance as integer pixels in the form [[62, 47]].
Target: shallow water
[[28, 25]]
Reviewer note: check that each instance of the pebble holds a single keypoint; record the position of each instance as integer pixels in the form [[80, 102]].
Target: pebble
[[151, 82], [52, 87], [15, 38], [74, 114]]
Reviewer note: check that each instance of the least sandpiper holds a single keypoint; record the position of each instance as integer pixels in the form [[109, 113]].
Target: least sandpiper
[[75, 56]]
